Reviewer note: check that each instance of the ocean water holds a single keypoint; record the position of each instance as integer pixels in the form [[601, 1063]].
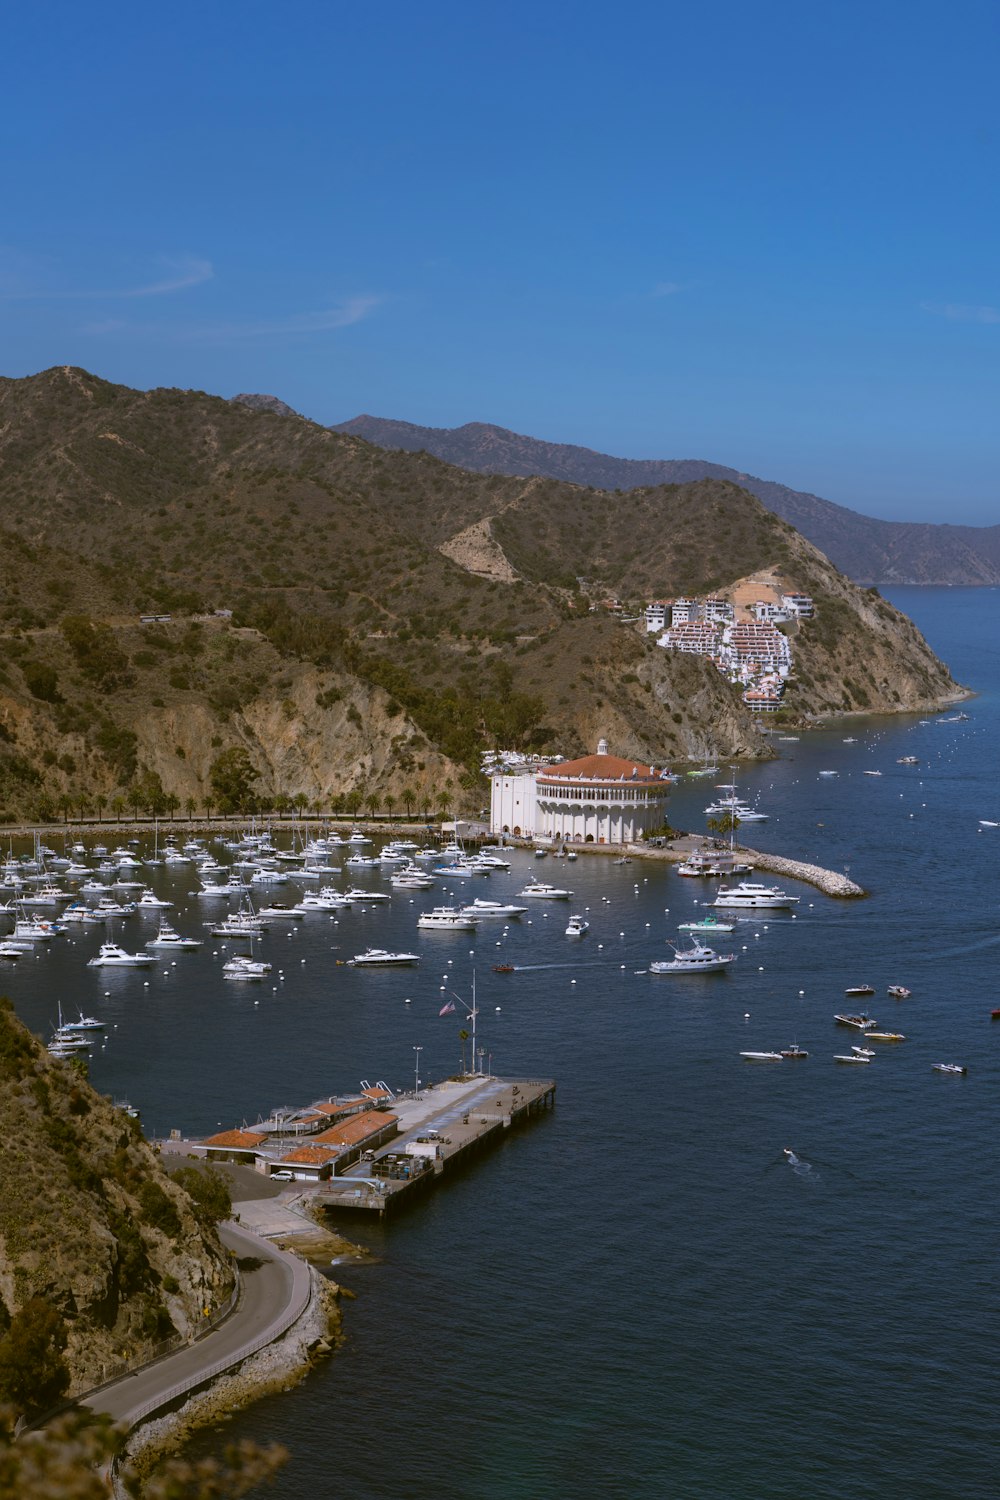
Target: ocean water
[[640, 1295]]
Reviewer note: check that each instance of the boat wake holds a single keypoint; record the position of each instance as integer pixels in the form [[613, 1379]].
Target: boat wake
[[799, 1167]]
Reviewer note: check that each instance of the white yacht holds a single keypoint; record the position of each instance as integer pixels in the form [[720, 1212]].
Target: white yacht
[[111, 956], [412, 880], [446, 919], [353, 894], [539, 891], [694, 960], [149, 901], [493, 909], [577, 927], [245, 968], [238, 924], [280, 913], [362, 862], [382, 958], [34, 929], [167, 938], [761, 1056], [708, 924], [752, 895], [324, 901]]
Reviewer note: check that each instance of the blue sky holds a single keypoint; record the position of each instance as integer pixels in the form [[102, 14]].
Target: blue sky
[[763, 235]]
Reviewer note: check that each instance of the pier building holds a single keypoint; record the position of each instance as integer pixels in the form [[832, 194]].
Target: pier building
[[597, 799]]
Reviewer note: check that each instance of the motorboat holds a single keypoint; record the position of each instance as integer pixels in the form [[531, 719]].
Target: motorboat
[[751, 894], [577, 927], [761, 1056], [949, 1068], [708, 924], [539, 891], [9, 949], [279, 913], [988, 823], [871, 773], [623, 860], [354, 894], [698, 959], [237, 924], [110, 956], [885, 1036], [362, 862], [245, 968], [899, 992], [864, 1051], [493, 909], [84, 1026], [167, 938], [829, 773], [907, 760], [382, 958], [412, 880], [107, 908], [324, 901], [34, 929], [859, 1023], [860, 989], [794, 1051], [850, 1057], [149, 901], [446, 919]]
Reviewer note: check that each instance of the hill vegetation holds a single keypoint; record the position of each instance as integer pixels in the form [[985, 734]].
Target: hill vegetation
[[350, 626], [102, 1255], [868, 550]]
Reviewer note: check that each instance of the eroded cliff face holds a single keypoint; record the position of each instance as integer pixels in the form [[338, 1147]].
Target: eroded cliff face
[[88, 1220]]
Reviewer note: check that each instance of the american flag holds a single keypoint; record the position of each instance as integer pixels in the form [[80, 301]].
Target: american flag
[[446, 1009]]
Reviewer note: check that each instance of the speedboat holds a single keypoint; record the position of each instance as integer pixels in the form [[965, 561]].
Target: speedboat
[[10, 949], [577, 927], [850, 1057], [166, 937], [761, 1056], [907, 760], [111, 956], [694, 960], [382, 958], [859, 1023], [753, 895], [829, 773], [281, 913], [863, 1051], [354, 894], [794, 1051], [542, 892], [949, 1068], [871, 773], [885, 1036], [446, 919], [898, 992], [860, 989]]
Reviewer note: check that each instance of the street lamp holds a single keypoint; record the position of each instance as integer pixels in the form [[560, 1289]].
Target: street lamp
[[416, 1072]]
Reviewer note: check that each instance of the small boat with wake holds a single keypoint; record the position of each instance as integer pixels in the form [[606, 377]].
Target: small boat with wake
[[950, 1068], [861, 1022], [899, 992]]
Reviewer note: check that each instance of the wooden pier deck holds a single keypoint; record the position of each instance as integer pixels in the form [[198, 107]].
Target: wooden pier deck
[[453, 1120]]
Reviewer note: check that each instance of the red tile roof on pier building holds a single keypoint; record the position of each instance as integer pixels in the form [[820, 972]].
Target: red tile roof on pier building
[[244, 1140]]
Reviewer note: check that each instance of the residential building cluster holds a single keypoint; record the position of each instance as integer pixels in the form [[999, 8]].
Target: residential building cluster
[[747, 647]]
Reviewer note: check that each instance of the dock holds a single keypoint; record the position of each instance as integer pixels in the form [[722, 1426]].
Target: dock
[[439, 1128]]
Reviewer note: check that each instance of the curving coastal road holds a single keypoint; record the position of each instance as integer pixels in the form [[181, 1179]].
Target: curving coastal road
[[274, 1297]]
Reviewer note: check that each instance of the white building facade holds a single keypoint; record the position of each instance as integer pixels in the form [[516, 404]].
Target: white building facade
[[598, 799]]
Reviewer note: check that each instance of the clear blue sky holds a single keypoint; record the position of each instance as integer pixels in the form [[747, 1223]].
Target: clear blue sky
[[765, 234]]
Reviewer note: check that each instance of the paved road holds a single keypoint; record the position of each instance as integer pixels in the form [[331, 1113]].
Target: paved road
[[273, 1297]]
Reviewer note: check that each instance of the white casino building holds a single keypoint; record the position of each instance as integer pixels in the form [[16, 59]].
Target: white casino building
[[598, 799]]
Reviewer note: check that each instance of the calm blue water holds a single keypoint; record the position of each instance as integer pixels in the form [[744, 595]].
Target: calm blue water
[[638, 1296]]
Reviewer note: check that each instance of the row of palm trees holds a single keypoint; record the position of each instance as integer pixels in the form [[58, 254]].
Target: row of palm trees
[[168, 805]]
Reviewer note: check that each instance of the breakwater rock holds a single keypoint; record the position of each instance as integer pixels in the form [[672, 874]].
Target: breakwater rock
[[827, 881]]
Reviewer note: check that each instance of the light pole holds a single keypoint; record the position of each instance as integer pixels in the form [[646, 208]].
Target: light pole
[[416, 1072]]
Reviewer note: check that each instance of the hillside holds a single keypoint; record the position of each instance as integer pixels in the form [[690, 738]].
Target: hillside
[[866, 549], [384, 615], [97, 1244]]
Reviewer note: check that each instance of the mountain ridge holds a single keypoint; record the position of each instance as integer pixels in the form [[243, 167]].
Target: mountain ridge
[[866, 548]]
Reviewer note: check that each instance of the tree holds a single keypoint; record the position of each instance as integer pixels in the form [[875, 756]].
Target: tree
[[208, 803], [371, 802], [208, 1191], [65, 806], [233, 780], [390, 803], [33, 1373], [441, 802], [300, 802], [118, 806], [100, 803], [171, 803], [65, 1460], [409, 796], [190, 807]]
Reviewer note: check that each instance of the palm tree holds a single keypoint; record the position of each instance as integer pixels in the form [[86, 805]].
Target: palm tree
[[409, 796], [442, 802], [65, 805], [300, 802], [82, 805], [170, 803], [100, 803], [190, 807], [118, 806], [390, 803], [371, 802], [208, 804]]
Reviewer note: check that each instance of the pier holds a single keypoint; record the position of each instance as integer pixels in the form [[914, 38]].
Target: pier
[[676, 850], [439, 1127]]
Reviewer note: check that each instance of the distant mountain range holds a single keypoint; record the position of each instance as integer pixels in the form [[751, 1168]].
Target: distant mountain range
[[866, 549]]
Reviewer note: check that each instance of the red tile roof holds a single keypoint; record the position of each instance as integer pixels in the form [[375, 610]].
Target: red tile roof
[[599, 768], [244, 1139], [359, 1128], [310, 1156]]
